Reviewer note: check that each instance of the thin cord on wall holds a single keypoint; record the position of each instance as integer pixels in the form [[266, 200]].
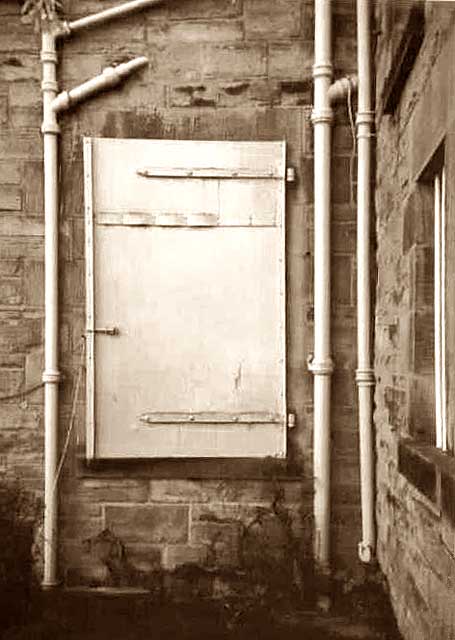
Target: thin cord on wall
[[354, 147], [72, 416], [21, 394]]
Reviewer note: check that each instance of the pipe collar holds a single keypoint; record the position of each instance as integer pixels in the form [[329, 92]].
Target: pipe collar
[[50, 127], [51, 376], [322, 116], [365, 377], [49, 85], [365, 117], [322, 70], [49, 55]]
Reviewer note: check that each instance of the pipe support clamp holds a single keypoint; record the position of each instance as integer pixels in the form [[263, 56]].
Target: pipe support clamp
[[51, 376], [320, 367]]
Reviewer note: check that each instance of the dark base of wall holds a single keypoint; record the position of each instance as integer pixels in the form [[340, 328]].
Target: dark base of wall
[[125, 614]]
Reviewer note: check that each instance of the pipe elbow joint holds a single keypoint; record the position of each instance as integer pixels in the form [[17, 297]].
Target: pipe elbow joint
[[61, 102], [342, 88]]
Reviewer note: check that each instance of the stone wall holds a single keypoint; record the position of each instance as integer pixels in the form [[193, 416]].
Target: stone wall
[[414, 480], [219, 69]]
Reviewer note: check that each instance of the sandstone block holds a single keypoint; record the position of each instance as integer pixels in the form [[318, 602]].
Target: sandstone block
[[290, 60], [34, 283], [11, 292], [11, 268], [194, 31], [11, 381], [148, 524], [183, 554], [234, 60], [205, 9], [111, 490], [10, 172], [221, 539], [280, 19], [10, 198], [342, 279]]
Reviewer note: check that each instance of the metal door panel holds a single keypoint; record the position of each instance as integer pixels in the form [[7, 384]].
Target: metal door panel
[[198, 312]]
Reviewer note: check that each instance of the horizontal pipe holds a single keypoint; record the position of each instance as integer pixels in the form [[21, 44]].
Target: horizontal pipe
[[340, 89], [106, 15], [110, 77]]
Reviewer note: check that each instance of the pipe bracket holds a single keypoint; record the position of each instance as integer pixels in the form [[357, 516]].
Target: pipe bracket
[[323, 367], [365, 377], [51, 376]]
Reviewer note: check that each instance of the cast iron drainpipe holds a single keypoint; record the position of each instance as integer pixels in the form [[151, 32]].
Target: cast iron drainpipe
[[365, 374], [320, 363], [53, 104]]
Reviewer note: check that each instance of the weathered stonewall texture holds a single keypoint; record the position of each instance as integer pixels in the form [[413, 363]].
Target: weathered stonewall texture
[[219, 69], [415, 488]]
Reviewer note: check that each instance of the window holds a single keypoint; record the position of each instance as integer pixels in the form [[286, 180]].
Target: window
[[425, 231]]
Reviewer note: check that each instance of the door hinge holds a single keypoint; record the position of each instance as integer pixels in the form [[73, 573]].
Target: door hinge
[[291, 174]]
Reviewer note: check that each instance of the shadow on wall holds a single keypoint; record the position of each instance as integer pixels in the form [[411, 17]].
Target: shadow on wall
[[19, 517]]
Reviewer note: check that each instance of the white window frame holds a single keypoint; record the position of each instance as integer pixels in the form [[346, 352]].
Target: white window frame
[[440, 309]]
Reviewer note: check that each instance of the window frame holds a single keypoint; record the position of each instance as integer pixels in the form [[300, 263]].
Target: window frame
[[440, 316]]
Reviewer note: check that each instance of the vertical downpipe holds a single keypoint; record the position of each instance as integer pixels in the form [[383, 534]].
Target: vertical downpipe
[[51, 374], [365, 373], [321, 365]]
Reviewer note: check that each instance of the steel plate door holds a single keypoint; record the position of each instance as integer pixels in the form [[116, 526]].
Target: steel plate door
[[185, 298]]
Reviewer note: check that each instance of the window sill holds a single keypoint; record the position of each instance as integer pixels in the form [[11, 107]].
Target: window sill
[[192, 469], [431, 472]]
